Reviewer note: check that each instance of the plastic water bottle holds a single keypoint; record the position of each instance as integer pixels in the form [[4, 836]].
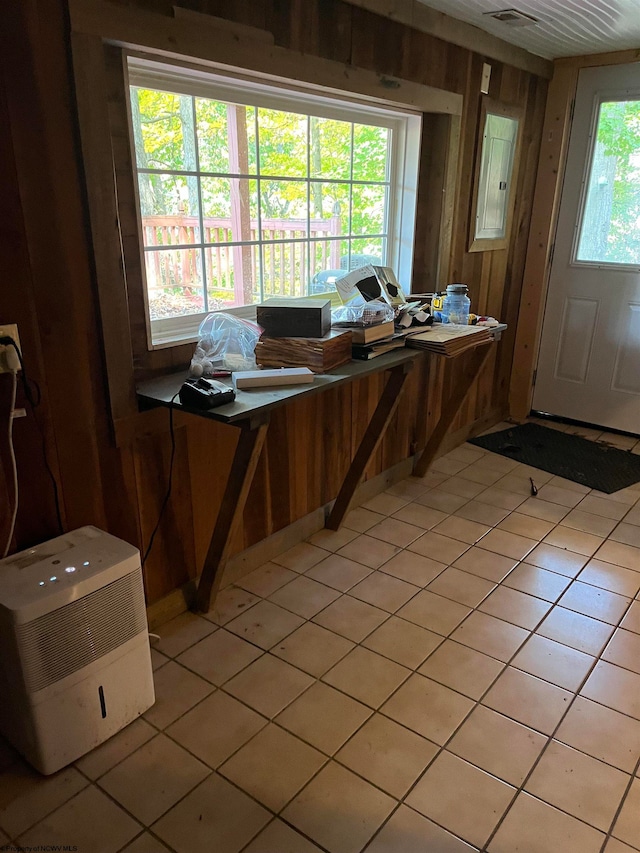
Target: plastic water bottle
[[456, 305]]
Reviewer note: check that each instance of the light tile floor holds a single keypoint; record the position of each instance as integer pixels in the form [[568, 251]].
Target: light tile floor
[[457, 669]]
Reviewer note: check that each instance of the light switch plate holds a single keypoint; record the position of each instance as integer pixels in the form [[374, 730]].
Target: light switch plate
[[9, 361], [486, 78]]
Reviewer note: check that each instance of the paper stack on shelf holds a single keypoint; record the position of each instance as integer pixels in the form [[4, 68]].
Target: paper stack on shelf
[[318, 354], [450, 339]]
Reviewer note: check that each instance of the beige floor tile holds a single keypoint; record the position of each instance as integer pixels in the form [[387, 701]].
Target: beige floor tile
[[558, 495], [462, 529], [407, 831], [463, 669], [219, 656], [468, 453], [614, 578], [388, 755], [158, 659], [593, 601], [413, 568], [526, 525], [588, 522], [26, 798], [536, 827], [448, 466], [304, 597], [266, 579], [491, 636], [177, 690], [538, 582], [396, 532], [338, 572], [545, 510], [620, 555], [273, 766], [312, 649], [462, 587], [519, 481], [385, 504], [463, 488], [421, 516], [428, 708], [351, 618], [554, 662], [301, 557], [402, 642], [498, 745], [485, 564], [324, 717], [602, 733], [496, 462], [605, 507], [624, 650], [575, 630], [569, 484], [631, 621], [437, 547], [332, 540], [367, 676], [528, 700], [434, 613], [362, 519], [508, 544], [268, 685], [615, 846], [482, 475], [516, 607], [369, 551], [627, 826], [91, 821], [265, 624], [628, 496], [216, 728], [114, 750], [614, 687], [230, 603], [215, 816], [627, 534], [182, 632], [558, 560], [410, 488], [431, 480], [153, 778], [450, 781], [495, 496], [483, 513], [357, 809], [443, 501], [280, 838], [384, 591], [578, 784], [145, 843], [574, 540]]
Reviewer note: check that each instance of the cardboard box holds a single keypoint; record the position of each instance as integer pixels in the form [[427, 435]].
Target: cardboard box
[[295, 318]]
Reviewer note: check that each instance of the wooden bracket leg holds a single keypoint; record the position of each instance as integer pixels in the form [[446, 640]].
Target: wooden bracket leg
[[243, 468], [370, 440], [453, 405]]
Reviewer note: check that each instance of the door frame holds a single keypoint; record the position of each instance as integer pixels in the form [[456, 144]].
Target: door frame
[[544, 219]]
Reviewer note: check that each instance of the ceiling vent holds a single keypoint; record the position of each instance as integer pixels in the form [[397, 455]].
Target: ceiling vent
[[512, 17]]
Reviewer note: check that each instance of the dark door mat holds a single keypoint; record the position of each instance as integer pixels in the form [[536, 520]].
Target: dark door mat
[[607, 469]]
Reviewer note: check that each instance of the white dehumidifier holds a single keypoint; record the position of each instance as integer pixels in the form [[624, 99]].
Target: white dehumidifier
[[75, 662]]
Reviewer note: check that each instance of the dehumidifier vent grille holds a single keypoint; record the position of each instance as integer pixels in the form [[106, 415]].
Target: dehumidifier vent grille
[[60, 643]]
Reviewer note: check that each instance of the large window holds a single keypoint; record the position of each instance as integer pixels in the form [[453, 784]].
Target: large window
[[247, 190]]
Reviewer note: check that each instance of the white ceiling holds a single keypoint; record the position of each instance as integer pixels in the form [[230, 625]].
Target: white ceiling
[[565, 28]]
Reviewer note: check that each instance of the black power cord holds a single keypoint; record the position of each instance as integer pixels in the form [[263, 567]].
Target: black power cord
[[34, 402], [169, 482]]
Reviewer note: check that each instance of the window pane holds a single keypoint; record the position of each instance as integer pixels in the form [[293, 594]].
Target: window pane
[[229, 209], [283, 143], [174, 282], [329, 208], [610, 231], [368, 209], [163, 128], [283, 209], [226, 137], [284, 269], [232, 276], [330, 151], [370, 147], [326, 256], [367, 250], [169, 208]]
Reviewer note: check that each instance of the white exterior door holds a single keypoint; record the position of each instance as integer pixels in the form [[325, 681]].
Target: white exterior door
[[589, 363]]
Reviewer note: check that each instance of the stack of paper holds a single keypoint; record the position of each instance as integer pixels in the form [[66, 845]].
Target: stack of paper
[[450, 339]]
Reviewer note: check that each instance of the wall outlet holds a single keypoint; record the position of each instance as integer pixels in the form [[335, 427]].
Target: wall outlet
[[9, 361]]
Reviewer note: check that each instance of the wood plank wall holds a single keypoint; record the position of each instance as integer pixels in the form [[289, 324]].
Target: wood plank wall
[[309, 445]]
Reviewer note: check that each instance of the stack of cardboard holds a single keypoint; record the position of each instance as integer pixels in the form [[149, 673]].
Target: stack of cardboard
[[450, 339], [318, 354]]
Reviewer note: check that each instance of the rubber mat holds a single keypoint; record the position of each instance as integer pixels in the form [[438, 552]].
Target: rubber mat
[[598, 466]]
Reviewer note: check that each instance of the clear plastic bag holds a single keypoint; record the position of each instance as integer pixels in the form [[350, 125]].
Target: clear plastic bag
[[366, 314], [226, 343]]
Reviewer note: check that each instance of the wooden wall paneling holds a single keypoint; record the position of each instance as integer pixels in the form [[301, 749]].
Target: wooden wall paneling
[[257, 513], [336, 425], [280, 440], [378, 44]]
